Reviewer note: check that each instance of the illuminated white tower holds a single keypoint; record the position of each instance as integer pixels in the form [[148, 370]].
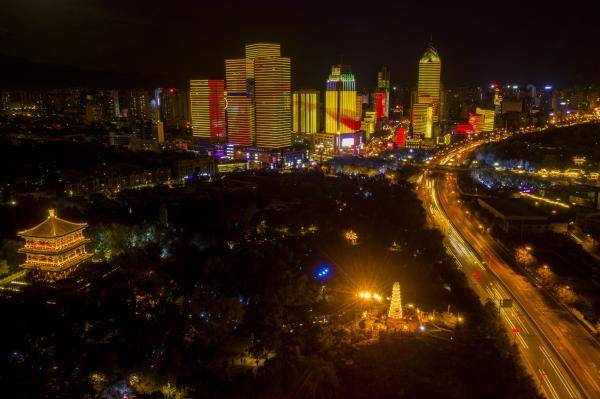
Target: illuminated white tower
[[395, 311]]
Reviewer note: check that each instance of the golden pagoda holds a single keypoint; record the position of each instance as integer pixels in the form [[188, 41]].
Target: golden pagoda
[[54, 248]]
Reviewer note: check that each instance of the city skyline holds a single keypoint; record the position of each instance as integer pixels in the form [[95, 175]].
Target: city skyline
[[299, 199]]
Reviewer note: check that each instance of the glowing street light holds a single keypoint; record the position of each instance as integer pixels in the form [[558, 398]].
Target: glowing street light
[[367, 295]]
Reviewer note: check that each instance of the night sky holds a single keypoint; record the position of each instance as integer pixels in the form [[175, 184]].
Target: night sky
[[510, 42]]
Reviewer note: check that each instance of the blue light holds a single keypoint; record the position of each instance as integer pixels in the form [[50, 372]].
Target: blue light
[[322, 272]]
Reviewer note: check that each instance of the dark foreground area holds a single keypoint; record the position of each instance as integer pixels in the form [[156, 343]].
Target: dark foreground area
[[213, 291]]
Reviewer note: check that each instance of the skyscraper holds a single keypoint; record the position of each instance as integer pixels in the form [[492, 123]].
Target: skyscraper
[[207, 105], [428, 87], [240, 111], [305, 111], [259, 97], [174, 108], [383, 85], [340, 101], [272, 96], [426, 110]]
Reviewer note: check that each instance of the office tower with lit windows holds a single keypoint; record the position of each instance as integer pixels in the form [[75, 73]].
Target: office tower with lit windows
[[426, 109], [340, 101], [240, 110], [259, 97], [207, 105], [139, 105], [272, 95], [174, 108], [359, 108], [488, 118], [422, 120], [305, 111], [383, 86]]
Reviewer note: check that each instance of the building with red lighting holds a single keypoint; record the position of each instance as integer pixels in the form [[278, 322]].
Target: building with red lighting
[[207, 105]]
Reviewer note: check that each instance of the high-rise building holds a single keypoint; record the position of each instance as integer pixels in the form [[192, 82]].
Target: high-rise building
[[359, 108], [383, 85], [139, 105], [488, 118], [422, 120], [429, 83], [175, 108], [381, 104], [259, 97], [305, 111], [160, 132], [340, 101], [240, 110], [207, 105], [426, 102], [272, 101]]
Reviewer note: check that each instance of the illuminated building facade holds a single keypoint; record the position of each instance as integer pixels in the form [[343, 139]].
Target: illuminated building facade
[[207, 105], [54, 248], [340, 101], [488, 118], [383, 85], [305, 111], [359, 108], [477, 121], [240, 110], [426, 109], [272, 91], [259, 97], [369, 123], [395, 311], [422, 120], [381, 104]]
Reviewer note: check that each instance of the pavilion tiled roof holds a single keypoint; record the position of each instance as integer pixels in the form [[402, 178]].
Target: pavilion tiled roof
[[52, 227]]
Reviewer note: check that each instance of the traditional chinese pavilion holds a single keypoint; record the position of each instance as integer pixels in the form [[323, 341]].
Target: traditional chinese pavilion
[[54, 248]]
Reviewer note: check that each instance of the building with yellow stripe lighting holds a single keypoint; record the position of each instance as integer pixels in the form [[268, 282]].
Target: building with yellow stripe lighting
[[340, 101], [240, 110], [259, 97], [305, 111], [429, 83], [426, 104], [207, 105], [272, 97], [488, 118], [422, 120]]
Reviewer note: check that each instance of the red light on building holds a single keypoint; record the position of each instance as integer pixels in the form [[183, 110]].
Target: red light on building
[[516, 330], [464, 128], [379, 105], [400, 139], [476, 275], [171, 90]]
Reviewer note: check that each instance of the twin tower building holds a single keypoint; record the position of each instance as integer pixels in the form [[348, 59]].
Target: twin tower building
[[253, 106]]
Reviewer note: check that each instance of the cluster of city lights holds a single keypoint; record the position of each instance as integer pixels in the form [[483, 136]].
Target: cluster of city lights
[[369, 295]]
